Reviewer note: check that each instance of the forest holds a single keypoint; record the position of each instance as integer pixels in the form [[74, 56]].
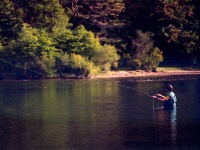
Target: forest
[[87, 37]]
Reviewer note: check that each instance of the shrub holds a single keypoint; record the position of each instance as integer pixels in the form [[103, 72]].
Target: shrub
[[153, 59], [106, 58], [33, 50], [81, 65], [145, 55]]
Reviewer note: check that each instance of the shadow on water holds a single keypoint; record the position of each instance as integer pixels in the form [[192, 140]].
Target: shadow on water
[[97, 114]]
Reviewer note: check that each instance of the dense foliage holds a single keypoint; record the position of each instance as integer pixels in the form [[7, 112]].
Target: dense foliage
[[145, 55], [85, 37]]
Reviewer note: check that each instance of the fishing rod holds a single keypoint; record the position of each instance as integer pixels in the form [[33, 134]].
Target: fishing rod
[[147, 94], [135, 89]]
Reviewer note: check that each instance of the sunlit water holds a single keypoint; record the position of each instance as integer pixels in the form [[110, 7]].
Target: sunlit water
[[98, 114]]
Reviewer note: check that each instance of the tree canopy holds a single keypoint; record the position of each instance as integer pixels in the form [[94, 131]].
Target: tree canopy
[[89, 36]]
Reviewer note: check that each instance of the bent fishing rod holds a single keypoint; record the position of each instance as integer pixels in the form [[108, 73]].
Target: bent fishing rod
[[135, 90], [141, 91]]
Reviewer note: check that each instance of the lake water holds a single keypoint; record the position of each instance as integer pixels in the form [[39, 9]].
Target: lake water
[[98, 114]]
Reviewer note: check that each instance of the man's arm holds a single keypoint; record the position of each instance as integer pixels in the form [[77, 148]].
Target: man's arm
[[164, 98], [161, 97]]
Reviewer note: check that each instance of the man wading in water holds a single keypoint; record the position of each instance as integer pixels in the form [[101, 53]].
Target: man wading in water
[[169, 101]]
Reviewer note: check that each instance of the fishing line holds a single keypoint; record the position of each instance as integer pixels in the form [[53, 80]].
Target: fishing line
[[141, 91], [135, 89], [153, 104], [128, 87], [46, 75], [22, 67], [147, 94]]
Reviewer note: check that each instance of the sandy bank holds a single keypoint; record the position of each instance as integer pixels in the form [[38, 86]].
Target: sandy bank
[[141, 73]]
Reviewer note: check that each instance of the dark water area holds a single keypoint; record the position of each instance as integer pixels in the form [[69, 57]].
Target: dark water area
[[98, 114]]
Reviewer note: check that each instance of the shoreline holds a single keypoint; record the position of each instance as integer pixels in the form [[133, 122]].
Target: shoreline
[[141, 73], [164, 72]]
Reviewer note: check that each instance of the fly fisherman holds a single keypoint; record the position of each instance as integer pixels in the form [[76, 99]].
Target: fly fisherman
[[169, 101]]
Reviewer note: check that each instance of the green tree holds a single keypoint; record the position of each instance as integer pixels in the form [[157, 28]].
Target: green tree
[[84, 52], [145, 55], [10, 20], [155, 57], [85, 42], [173, 22], [103, 18], [62, 61], [63, 35], [106, 58], [78, 41], [34, 50], [41, 13], [81, 65], [178, 27], [138, 14]]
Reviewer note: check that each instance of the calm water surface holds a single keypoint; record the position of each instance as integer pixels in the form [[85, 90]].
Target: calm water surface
[[97, 115]]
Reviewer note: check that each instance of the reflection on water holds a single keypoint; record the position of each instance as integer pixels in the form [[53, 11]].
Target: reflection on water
[[165, 123], [173, 122], [93, 114]]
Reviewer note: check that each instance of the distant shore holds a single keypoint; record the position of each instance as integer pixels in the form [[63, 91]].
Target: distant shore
[[161, 72], [141, 73]]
